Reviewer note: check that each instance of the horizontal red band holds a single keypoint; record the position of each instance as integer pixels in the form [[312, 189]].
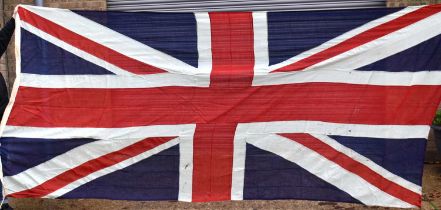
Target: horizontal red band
[[90, 167], [363, 38], [356, 168], [87, 45], [329, 102]]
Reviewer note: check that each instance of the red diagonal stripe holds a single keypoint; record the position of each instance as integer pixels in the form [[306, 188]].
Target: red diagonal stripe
[[356, 168], [363, 38], [329, 102], [87, 45], [90, 167]]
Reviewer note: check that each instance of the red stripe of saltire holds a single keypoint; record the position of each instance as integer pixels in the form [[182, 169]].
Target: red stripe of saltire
[[363, 38], [90, 167], [76, 40], [356, 167]]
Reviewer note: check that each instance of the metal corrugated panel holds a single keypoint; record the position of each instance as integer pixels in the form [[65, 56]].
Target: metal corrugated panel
[[238, 5]]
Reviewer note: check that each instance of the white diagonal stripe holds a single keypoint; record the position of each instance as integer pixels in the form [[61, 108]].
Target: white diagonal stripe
[[102, 172], [327, 170], [76, 51], [111, 142], [385, 46], [245, 131], [113, 40], [370, 164], [345, 36]]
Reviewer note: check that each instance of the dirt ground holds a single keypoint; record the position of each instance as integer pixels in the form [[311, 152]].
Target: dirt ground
[[431, 198]]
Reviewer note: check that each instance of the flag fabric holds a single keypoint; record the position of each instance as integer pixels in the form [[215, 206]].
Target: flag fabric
[[318, 105]]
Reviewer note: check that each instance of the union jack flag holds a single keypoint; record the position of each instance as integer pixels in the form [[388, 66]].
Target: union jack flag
[[321, 105]]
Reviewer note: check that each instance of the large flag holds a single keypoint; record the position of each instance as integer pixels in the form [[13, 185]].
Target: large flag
[[320, 105]]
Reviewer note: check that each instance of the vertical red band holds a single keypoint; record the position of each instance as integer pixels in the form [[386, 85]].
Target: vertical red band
[[213, 161], [232, 46], [232, 41]]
